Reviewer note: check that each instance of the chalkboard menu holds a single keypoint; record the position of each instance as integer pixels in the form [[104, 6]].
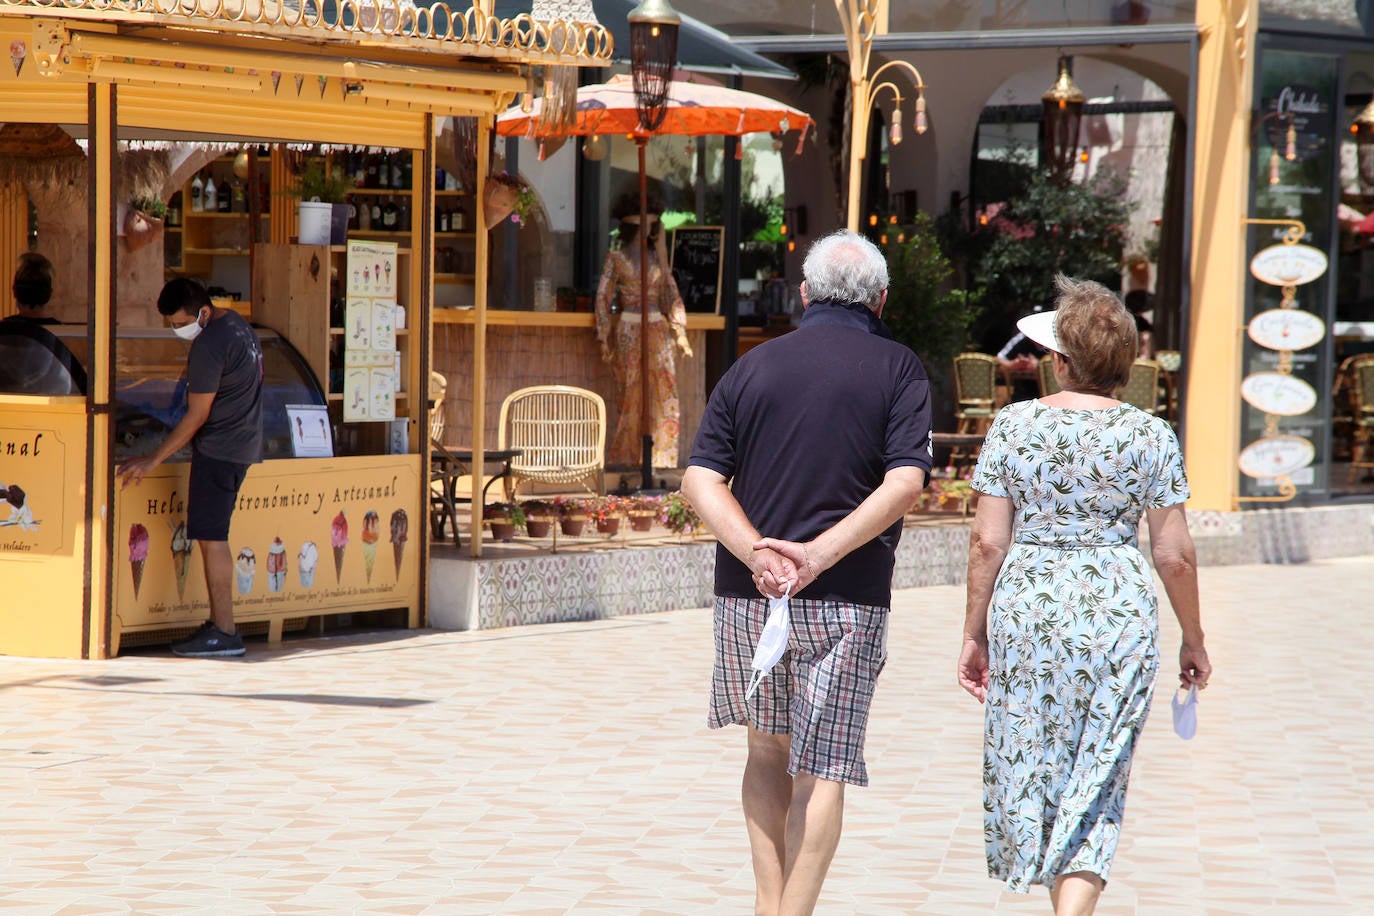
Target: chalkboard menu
[[695, 259]]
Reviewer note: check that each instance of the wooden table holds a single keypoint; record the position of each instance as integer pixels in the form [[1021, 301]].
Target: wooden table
[[967, 443], [449, 462]]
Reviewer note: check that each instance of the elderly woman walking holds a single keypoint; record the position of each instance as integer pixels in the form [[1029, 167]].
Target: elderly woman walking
[[1067, 657]]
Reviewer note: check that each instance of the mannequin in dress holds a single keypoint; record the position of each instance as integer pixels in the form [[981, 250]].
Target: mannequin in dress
[[618, 329]]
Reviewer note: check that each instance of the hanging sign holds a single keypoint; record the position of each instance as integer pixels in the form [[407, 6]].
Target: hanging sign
[[1278, 394], [1286, 329], [1288, 265], [370, 360], [1276, 456]]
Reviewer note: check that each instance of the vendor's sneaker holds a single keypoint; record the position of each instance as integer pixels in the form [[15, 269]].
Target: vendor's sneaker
[[209, 642]]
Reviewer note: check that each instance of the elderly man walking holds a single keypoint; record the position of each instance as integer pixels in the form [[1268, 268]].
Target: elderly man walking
[[812, 448]]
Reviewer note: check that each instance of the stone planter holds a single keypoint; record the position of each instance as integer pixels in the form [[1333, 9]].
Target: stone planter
[[572, 525], [609, 526], [538, 526], [642, 521], [501, 530]]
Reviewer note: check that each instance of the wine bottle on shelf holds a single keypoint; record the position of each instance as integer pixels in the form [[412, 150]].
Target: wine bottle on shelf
[[359, 169], [364, 215], [403, 216], [374, 166], [406, 172], [458, 220], [237, 198], [197, 194], [440, 220], [225, 197], [377, 214], [439, 179], [210, 196], [389, 216]]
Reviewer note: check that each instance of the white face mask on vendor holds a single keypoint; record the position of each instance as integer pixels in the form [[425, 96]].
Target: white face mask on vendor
[[189, 331]]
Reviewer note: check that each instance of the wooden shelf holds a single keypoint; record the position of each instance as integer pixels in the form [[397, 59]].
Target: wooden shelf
[[215, 214], [458, 193], [171, 228], [455, 278], [237, 252], [455, 235], [382, 192], [366, 234]]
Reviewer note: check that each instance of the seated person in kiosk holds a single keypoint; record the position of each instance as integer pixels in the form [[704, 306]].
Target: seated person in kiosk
[[223, 424], [32, 359]]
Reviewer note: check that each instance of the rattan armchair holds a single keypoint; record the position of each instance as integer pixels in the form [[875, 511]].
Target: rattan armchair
[[1142, 390], [1048, 383], [1361, 382], [561, 433]]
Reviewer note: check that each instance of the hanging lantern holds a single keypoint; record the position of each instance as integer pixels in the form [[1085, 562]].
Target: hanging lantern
[[241, 164], [594, 148], [653, 51], [1063, 109]]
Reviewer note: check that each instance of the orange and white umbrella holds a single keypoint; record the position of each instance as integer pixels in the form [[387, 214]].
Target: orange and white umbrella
[[693, 110]]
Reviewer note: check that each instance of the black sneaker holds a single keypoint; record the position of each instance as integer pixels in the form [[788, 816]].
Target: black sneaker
[[209, 642]]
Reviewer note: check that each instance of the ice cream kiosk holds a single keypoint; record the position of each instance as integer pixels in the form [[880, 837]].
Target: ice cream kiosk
[[118, 122]]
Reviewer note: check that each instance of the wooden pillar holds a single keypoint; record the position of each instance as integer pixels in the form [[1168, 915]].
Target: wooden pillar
[[479, 334], [1225, 83], [102, 124], [14, 239], [420, 322]]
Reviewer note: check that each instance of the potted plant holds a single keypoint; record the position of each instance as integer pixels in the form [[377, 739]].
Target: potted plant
[[539, 517], [322, 211], [507, 195], [948, 492], [143, 222], [572, 515], [605, 512], [504, 519], [642, 511], [677, 515]]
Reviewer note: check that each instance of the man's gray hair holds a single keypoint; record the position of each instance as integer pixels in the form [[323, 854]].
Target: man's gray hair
[[845, 267]]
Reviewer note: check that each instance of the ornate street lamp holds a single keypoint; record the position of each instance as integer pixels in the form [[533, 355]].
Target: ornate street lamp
[[653, 52], [1063, 105]]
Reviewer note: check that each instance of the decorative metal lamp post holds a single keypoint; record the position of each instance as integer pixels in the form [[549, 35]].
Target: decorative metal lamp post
[[862, 19], [653, 51], [1063, 105]]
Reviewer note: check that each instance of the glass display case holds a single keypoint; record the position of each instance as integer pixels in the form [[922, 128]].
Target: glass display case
[[150, 388]]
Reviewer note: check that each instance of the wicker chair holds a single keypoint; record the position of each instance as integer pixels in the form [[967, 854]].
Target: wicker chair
[[441, 508], [1048, 383], [1142, 390], [1361, 370], [561, 432], [975, 399]]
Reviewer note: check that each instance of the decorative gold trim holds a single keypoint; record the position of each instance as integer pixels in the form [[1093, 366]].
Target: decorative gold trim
[[391, 23]]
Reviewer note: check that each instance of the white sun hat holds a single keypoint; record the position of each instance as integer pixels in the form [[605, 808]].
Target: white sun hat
[[1040, 328]]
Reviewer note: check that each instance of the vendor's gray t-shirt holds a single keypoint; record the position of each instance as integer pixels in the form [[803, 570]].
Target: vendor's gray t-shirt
[[226, 361]]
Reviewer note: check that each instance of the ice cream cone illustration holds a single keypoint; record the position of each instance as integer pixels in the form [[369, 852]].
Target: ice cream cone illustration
[[372, 525], [306, 561], [138, 553], [181, 556], [338, 539], [400, 526], [276, 566], [245, 568]]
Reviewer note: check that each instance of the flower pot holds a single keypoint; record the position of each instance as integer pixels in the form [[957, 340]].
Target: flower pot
[[140, 229], [641, 521], [572, 525], [608, 526], [314, 222], [498, 202], [538, 527], [501, 530]]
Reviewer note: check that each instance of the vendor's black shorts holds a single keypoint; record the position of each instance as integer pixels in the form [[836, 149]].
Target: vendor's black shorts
[[210, 501]]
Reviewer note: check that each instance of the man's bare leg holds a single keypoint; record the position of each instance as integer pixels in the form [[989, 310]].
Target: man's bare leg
[[767, 794], [813, 833], [219, 581]]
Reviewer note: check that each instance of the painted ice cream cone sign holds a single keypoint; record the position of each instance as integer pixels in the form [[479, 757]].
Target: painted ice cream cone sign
[[338, 539], [400, 526], [276, 566], [138, 554], [372, 524], [181, 556], [245, 568]]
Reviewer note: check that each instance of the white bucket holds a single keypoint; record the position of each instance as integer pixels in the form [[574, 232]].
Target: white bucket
[[313, 218]]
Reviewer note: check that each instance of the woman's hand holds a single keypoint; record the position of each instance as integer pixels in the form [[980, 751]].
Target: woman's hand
[[972, 670], [1193, 667], [683, 345]]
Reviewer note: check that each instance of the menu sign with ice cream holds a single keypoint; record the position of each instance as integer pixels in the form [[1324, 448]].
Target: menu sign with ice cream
[[308, 536], [369, 391]]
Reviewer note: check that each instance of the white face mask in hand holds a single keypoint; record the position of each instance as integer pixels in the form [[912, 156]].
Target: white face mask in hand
[[1185, 713], [772, 642]]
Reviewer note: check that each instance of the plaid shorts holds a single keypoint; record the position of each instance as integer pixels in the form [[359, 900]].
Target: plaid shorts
[[819, 692]]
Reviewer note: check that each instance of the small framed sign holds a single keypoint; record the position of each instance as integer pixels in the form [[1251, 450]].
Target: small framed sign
[[310, 436]]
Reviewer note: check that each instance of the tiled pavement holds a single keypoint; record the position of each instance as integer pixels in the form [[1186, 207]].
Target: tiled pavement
[[565, 769]]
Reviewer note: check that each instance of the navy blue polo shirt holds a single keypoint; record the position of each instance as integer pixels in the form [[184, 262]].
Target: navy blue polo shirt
[[805, 427]]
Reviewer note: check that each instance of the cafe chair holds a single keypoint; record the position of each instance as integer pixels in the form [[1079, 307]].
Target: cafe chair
[[561, 434], [975, 395], [1361, 389], [1048, 383], [1142, 389]]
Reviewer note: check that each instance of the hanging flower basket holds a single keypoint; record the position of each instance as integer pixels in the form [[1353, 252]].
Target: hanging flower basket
[[140, 229], [505, 195]]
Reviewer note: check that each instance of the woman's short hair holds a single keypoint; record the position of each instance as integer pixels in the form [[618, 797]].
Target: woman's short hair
[[845, 267], [1096, 333], [33, 280]]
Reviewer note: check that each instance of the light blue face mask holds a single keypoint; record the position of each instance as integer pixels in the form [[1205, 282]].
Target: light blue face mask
[[772, 642], [1185, 713]]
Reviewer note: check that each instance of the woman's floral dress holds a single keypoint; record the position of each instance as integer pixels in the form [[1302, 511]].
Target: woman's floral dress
[[1073, 631], [617, 328]]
